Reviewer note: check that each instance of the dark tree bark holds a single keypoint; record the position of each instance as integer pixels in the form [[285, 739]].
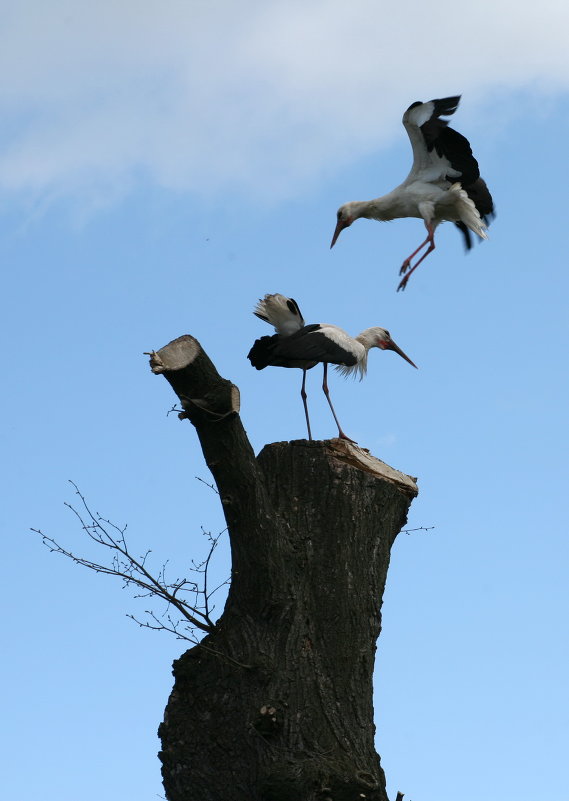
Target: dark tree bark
[[276, 704]]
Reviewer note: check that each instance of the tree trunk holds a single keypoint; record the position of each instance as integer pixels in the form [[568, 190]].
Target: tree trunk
[[276, 704]]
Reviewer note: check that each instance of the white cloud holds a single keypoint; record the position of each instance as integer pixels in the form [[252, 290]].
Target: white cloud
[[260, 96]]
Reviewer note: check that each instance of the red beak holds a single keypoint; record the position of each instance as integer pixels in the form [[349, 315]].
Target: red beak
[[392, 346], [339, 228]]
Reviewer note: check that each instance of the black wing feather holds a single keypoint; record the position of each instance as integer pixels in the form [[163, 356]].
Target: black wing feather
[[261, 353], [480, 195], [311, 345], [304, 349]]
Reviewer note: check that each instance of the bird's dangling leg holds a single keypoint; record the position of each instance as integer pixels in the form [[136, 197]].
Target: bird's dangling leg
[[407, 263], [325, 389], [304, 396], [430, 240]]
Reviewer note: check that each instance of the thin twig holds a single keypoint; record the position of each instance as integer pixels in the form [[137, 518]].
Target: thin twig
[[211, 486], [421, 528]]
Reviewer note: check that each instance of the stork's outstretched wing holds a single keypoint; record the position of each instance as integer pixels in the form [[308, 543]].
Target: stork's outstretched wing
[[439, 153]]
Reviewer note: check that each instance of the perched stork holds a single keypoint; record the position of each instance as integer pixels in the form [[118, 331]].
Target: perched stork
[[298, 345], [444, 183]]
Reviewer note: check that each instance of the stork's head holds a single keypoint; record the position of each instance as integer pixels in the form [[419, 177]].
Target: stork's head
[[382, 339], [345, 217]]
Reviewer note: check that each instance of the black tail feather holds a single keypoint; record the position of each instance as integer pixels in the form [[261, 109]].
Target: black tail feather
[[261, 353], [465, 231]]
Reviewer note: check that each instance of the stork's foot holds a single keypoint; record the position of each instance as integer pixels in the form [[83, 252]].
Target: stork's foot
[[341, 435], [403, 283], [405, 266]]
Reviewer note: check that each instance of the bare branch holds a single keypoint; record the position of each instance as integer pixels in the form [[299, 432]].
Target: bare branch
[[190, 599], [421, 528], [211, 486]]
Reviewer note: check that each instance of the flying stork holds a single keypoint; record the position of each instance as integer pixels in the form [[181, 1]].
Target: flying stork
[[298, 345], [444, 183]]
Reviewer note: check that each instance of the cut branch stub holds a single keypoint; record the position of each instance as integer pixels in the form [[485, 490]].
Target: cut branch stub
[[194, 379], [211, 403]]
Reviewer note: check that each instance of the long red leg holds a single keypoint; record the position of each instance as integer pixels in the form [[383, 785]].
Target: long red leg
[[325, 388], [430, 240], [303, 396], [407, 263]]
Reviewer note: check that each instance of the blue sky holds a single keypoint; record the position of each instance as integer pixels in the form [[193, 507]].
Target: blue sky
[[162, 166]]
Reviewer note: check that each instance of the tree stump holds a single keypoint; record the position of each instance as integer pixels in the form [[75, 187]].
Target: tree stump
[[276, 703]]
